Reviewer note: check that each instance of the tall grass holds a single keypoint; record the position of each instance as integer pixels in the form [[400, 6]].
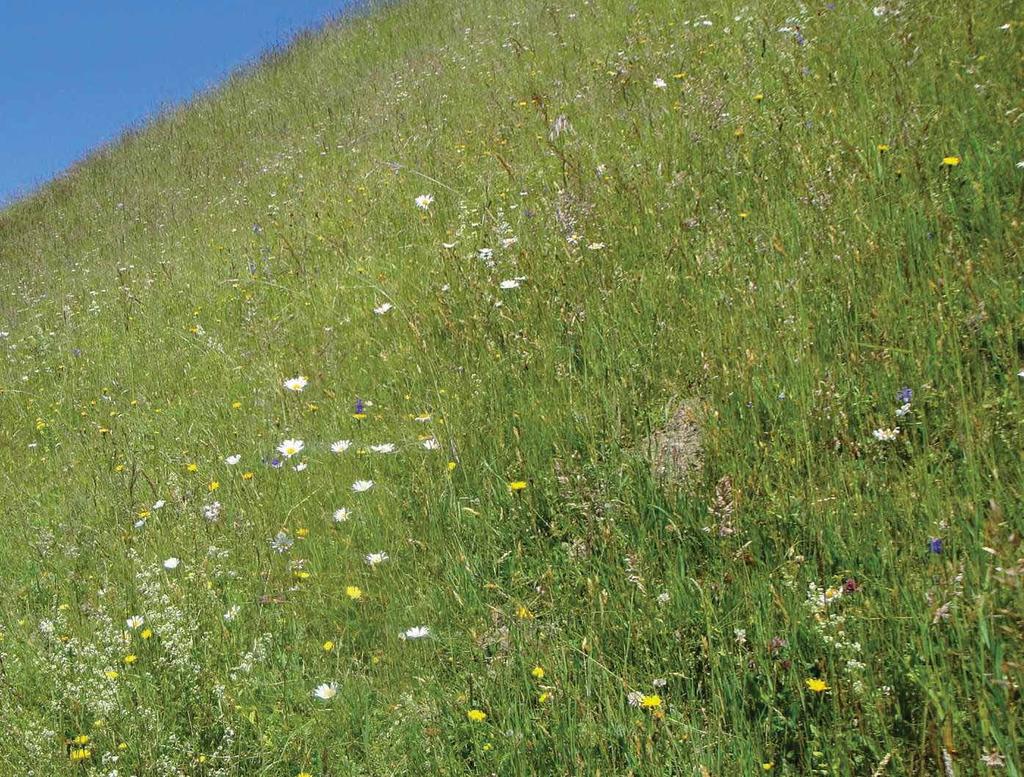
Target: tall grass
[[744, 206]]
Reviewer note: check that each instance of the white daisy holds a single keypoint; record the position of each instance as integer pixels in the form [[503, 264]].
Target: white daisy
[[373, 559], [233, 459], [135, 622], [289, 448], [387, 447], [485, 253], [296, 384], [158, 504], [659, 83], [171, 563], [416, 632], [512, 283], [424, 201], [431, 444], [362, 485], [326, 691], [342, 514], [340, 446], [380, 310], [886, 435]]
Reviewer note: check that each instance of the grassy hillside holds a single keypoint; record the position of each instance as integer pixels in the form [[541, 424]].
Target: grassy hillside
[[800, 222]]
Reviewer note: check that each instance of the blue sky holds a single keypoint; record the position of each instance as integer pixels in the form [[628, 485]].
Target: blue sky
[[73, 74]]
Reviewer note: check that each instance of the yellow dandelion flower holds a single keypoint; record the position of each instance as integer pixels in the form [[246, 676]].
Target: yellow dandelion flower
[[538, 672], [477, 716], [214, 485], [300, 574], [651, 702], [192, 467], [328, 646], [112, 674], [816, 685], [353, 592], [451, 466], [302, 533], [246, 476], [79, 754], [146, 633], [304, 774], [882, 147], [950, 161], [81, 739], [768, 765], [758, 97], [544, 697], [236, 405], [130, 659], [517, 485]]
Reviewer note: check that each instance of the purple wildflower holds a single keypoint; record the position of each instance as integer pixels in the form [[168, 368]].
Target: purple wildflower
[[935, 545], [905, 395]]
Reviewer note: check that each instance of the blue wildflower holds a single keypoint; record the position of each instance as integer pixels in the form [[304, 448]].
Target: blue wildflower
[[935, 545]]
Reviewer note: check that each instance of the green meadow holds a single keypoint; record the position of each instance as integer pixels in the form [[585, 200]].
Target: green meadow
[[661, 405]]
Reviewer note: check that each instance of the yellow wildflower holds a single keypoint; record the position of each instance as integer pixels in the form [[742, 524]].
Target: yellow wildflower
[[517, 485], [353, 592], [130, 659], [538, 672], [651, 702], [477, 716], [328, 646], [816, 685], [950, 161]]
